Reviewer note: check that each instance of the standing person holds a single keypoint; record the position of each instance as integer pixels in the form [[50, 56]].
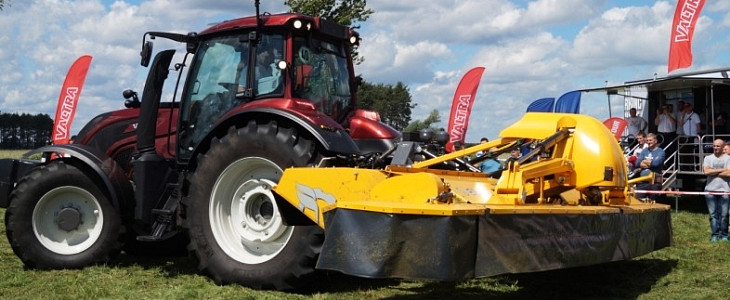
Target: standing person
[[715, 166], [651, 159], [691, 128], [635, 125], [666, 124], [690, 121]]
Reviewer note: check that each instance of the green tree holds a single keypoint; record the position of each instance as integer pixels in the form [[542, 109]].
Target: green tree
[[344, 12], [417, 125], [393, 102], [24, 131]]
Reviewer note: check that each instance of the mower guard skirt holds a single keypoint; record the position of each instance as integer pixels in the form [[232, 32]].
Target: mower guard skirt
[[449, 248]]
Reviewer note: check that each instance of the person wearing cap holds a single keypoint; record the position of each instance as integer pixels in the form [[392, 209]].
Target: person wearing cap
[[690, 121]]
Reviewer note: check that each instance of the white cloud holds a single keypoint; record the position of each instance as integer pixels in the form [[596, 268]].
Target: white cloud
[[387, 60], [530, 49]]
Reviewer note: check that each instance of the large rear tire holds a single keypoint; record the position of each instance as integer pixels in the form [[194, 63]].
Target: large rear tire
[[58, 218], [232, 218]]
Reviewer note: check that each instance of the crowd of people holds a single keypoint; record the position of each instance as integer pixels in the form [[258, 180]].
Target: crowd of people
[[648, 158]]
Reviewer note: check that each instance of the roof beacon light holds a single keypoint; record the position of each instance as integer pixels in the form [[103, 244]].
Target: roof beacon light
[[297, 24]]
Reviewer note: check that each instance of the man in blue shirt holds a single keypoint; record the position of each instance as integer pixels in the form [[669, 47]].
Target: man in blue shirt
[[651, 159], [491, 165]]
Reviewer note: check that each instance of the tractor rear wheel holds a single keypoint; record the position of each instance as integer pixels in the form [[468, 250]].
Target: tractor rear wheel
[[233, 221], [58, 218]]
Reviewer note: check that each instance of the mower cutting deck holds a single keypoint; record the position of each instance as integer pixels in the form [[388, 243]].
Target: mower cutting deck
[[566, 203]]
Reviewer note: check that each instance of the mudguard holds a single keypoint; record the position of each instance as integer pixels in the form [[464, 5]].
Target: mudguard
[[118, 188], [332, 140], [337, 141]]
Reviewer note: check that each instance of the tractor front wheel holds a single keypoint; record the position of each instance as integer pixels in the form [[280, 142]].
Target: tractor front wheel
[[233, 221]]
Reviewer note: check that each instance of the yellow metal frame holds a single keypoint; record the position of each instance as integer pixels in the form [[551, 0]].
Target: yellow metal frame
[[574, 166]]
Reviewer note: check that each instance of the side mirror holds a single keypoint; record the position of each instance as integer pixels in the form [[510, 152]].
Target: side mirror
[[357, 82], [133, 102], [146, 53]]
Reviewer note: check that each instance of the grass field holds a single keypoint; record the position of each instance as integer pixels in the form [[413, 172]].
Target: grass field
[[12, 153], [691, 269]]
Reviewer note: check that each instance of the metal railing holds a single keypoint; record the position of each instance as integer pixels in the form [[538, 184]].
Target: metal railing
[[684, 155], [687, 157]]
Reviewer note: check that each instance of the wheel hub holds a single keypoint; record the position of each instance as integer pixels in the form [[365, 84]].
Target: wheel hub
[[68, 219], [243, 213], [256, 208]]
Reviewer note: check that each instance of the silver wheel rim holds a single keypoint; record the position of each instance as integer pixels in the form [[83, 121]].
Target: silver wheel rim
[[51, 233], [244, 218]]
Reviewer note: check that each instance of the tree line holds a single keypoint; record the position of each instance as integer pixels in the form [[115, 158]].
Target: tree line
[[392, 102], [24, 131]]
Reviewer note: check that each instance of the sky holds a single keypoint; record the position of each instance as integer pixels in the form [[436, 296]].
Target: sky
[[530, 49]]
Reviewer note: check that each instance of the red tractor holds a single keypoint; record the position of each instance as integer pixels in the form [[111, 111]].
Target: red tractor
[[262, 94]]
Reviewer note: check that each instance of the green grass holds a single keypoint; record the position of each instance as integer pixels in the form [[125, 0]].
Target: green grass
[[691, 269], [12, 153]]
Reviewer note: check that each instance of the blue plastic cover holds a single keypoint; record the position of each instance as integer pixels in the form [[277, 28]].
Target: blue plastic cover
[[568, 103], [541, 105]]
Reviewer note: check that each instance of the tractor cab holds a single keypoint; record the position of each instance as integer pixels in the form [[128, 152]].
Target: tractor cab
[[288, 64]]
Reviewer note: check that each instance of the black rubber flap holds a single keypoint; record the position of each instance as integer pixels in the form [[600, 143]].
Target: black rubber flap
[[379, 245], [539, 242]]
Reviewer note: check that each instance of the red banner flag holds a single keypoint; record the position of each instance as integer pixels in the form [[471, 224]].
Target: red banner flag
[[683, 27], [461, 107], [616, 126], [70, 92]]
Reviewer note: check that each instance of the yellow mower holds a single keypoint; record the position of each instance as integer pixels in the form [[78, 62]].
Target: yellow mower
[[566, 202]]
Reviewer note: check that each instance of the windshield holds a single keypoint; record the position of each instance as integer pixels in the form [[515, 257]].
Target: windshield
[[322, 76], [219, 81]]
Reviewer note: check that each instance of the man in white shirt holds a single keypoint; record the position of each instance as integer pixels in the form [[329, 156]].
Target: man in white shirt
[[666, 123], [690, 121]]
